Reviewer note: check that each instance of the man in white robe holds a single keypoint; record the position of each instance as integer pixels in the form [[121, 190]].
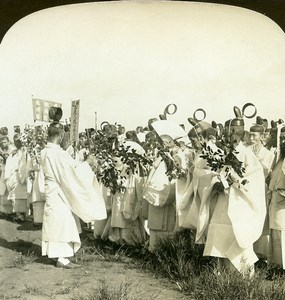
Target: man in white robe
[[6, 149], [16, 179], [36, 184], [71, 192], [190, 212], [159, 192], [265, 157], [239, 214], [127, 225]]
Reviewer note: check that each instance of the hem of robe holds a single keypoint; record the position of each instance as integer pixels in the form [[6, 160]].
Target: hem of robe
[[59, 249], [222, 243], [130, 236], [157, 236], [38, 211], [279, 258], [20, 206], [261, 246]]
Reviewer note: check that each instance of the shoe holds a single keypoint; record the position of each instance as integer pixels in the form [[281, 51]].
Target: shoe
[[38, 225], [70, 265]]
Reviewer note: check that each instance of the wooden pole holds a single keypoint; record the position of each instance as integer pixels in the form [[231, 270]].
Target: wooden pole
[[96, 121]]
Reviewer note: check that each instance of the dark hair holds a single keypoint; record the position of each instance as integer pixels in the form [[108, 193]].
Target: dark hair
[[55, 129]]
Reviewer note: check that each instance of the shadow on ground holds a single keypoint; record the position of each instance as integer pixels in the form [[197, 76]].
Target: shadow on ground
[[26, 248]]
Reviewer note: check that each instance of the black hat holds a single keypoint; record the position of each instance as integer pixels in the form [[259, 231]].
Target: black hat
[[238, 120], [257, 128], [234, 122], [55, 113], [262, 122]]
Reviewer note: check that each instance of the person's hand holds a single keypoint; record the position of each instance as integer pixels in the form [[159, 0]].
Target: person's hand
[[32, 174]]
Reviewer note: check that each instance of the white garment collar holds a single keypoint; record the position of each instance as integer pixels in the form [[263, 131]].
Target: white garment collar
[[52, 145]]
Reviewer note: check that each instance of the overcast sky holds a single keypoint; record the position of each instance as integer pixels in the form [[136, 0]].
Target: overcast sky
[[127, 61]]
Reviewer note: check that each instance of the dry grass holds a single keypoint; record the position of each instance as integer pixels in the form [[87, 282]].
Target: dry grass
[[181, 261]]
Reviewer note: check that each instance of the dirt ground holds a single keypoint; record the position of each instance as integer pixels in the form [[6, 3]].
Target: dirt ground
[[26, 275]]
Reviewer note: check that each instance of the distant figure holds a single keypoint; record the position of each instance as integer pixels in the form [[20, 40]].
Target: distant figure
[[16, 179], [5, 150]]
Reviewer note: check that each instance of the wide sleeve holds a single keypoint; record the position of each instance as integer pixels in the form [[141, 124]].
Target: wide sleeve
[[247, 205], [158, 189], [80, 187]]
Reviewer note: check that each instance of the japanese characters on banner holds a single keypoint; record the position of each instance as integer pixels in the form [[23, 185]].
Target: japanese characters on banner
[[41, 109], [74, 125]]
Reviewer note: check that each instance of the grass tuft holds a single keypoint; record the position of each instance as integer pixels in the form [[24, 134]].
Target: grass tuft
[[21, 260]]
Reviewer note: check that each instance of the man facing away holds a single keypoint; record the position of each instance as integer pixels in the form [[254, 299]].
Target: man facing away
[[71, 192]]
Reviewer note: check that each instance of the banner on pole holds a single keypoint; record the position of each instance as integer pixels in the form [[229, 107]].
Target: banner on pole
[[41, 109], [74, 123]]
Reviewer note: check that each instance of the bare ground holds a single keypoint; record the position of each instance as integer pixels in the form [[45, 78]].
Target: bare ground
[[26, 275]]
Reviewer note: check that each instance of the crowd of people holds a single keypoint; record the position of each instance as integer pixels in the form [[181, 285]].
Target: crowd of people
[[223, 182]]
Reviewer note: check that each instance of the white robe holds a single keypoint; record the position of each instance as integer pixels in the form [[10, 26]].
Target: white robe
[[265, 157], [72, 191], [196, 206], [238, 217], [16, 174], [36, 189], [277, 214], [159, 192], [126, 221], [5, 205]]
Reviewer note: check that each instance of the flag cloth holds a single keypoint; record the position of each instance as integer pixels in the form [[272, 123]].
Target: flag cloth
[[41, 109], [74, 121]]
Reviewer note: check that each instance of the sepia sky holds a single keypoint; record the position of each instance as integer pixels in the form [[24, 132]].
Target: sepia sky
[[128, 60]]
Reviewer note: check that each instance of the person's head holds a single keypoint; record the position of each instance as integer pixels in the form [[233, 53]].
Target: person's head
[[132, 136], [234, 130], [4, 131], [282, 142], [167, 141], [139, 129], [271, 140], [110, 130], [55, 133], [17, 141], [121, 130], [17, 129], [211, 134], [40, 141], [150, 137], [82, 139], [256, 133], [199, 134], [4, 142], [92, 132], [197, 139]]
